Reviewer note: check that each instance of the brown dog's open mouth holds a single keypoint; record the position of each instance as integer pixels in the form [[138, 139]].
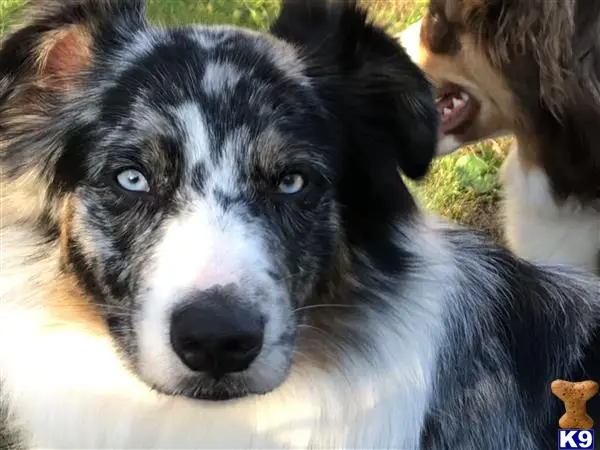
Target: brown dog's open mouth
[[457, 109]]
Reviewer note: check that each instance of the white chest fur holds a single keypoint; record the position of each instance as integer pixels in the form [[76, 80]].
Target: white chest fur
[[540, 230]]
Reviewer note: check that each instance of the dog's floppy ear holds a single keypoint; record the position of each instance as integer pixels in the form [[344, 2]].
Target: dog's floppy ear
[[54, 44], [384, 101]]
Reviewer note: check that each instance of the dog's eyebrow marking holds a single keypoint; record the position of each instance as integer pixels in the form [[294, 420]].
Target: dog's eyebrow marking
[[148, 118], [220, 76]]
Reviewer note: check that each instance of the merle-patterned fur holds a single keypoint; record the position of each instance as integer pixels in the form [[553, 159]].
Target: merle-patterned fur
[[529, 333], [455, 340]]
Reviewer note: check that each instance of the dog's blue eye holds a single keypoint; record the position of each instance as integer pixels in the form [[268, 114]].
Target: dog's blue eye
[[133, 180], [291, 184]]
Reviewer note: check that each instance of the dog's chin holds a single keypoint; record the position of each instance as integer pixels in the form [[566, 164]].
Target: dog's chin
[[217, 394], [205, 389]]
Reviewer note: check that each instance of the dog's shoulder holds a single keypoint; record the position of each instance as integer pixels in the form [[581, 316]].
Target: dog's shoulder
[[511, 329]]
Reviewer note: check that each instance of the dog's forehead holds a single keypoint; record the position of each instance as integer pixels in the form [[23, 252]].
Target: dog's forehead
[[219, 67], [220, 92]]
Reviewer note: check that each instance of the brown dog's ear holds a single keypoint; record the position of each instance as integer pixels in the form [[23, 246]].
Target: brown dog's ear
[[384, 101], [54, 44]]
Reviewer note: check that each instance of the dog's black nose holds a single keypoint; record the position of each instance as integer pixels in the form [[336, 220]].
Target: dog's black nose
[[216, 334]]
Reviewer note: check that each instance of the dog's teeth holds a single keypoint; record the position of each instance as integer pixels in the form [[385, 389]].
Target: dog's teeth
[[446, 111], [464, 96], [458, 103]]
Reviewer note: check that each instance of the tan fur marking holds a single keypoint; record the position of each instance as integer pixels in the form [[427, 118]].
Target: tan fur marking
[[71, 308], [66, 217], [63, 54], [69, 303]]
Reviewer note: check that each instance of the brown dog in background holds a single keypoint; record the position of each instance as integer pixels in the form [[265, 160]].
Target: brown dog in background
[[529, 68]]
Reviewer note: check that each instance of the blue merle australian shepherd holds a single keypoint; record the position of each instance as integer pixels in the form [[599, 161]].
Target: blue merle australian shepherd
[[206, 243]]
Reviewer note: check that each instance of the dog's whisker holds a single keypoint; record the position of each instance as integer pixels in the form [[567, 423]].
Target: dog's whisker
[[323, 305], [315, 328]]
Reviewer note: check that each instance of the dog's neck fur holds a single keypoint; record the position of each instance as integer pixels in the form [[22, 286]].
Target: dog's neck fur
[[535, 217], [65, 357]]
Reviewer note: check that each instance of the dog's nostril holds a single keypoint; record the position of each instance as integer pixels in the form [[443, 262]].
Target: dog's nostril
[[216, 334]]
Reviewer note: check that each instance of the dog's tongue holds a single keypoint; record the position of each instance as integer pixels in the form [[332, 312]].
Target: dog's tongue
[[455, 109]]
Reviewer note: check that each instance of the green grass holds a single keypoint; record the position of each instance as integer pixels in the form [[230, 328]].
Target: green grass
[[464, 188], [257, 14], [461, 187], [7, 13]]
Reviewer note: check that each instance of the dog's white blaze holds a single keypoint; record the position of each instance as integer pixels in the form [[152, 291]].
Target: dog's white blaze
[[224, 177], [198, 145], [219, 77], [206, 247], [539, 229], [201, 249], [221, 173]]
